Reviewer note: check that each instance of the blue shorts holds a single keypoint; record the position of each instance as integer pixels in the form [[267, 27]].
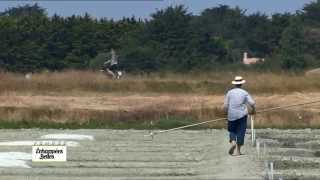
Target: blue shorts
[[237, 130]]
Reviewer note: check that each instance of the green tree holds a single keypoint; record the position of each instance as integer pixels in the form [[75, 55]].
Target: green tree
[[168, 31], [311, 13], [97, 62], [293, 45], [258, 34], [26, 10], [311, 17], [218, 33], [140, 59], [173, 39], [73, 60]]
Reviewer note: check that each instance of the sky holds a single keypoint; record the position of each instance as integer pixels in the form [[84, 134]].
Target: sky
[[117, 9]]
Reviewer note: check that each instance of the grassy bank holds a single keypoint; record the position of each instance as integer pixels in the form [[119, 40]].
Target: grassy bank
[[154, 118], [162, 114], [12, 117], [209, 83]]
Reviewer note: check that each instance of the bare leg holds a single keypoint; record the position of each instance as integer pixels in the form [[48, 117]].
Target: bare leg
[[240, 151], [111, 73], [238, 148], [233, 147]]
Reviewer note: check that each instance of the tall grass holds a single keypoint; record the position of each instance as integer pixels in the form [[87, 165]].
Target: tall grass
[[209, 83], [163, 116], [146, 118], [158, 117]]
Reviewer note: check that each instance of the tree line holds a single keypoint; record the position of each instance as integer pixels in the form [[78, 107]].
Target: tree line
[[173, 39]]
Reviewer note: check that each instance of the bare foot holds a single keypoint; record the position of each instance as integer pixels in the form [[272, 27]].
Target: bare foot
[[231, 150], [236, 154]]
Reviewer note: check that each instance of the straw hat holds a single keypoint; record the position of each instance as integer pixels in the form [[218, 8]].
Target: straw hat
[[238, 80]]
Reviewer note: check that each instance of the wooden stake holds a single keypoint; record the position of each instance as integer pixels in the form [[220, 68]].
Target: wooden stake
[[266, 163], [271, 170], [258, 147], [252, 129]]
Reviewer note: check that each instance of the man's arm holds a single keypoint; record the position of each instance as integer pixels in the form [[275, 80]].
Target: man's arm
[[106, 64], [226, 103], [251, 102]]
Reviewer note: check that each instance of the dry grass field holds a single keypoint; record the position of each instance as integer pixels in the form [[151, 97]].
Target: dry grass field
[[85, 99], [87, 103], [75, 82]]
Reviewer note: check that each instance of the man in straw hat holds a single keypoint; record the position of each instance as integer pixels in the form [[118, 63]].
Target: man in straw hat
[[235, 104]]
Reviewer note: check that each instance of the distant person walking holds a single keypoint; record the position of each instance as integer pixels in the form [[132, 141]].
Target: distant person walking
[[111, 66], [235, 104]]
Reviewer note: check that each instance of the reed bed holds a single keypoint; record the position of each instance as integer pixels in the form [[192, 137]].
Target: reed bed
[[159, 116], [69, 82]]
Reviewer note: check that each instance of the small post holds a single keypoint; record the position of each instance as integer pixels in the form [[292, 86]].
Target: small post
[[252, 129], [271, 170], [258, 147], [264, 148], [267, 169], [254, 136]]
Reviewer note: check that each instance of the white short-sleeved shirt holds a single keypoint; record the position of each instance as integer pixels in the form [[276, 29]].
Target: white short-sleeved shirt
[[236, 101]]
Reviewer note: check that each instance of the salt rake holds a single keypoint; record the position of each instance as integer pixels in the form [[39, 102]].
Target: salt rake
[[152, 134]]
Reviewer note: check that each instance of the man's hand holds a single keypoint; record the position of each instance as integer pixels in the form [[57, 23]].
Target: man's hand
[[225, 110], [253, 110]]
